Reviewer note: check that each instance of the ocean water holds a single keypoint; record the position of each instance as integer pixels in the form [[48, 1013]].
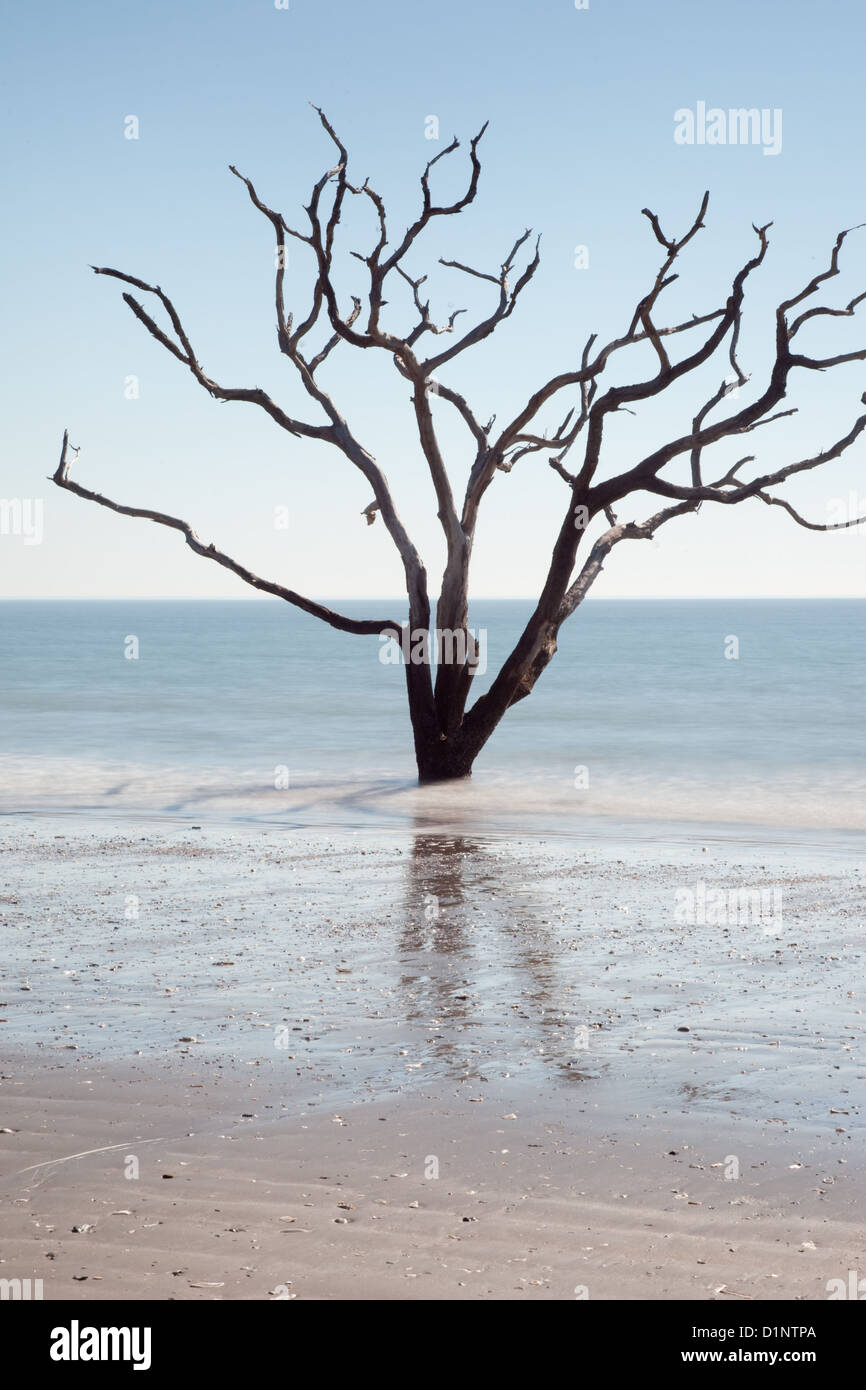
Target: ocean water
[[641, 715]]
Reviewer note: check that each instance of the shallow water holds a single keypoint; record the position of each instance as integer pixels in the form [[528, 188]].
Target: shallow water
[[640, 715]]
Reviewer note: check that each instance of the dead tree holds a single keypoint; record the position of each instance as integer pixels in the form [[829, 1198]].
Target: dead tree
[[448, 736]]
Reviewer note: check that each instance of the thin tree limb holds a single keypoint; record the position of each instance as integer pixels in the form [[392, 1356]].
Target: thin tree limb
[[211, 552]]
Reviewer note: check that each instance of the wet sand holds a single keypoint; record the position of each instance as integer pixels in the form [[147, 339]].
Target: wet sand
[[428, 1064]]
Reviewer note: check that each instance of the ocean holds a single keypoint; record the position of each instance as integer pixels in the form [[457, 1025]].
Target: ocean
[[728, 711]]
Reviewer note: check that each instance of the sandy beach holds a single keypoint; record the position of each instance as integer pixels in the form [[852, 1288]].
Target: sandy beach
[[253, 1062]]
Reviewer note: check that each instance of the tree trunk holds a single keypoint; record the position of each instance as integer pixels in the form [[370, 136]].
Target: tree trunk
[[447, 741], [444, 749], [444, 759]]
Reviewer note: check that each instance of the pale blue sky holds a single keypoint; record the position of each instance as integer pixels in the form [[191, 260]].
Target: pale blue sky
[[581, 107]]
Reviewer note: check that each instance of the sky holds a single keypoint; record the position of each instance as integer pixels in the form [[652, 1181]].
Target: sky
[[581, 104]]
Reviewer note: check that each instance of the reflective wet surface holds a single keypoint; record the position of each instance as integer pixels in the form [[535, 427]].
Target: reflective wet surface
[[343, 966]]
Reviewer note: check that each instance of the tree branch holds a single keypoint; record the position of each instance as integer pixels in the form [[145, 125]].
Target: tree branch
[[185, 354], [801, 520], [210, 552]]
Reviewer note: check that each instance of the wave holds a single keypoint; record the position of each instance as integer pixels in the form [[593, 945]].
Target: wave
[[491, 801]]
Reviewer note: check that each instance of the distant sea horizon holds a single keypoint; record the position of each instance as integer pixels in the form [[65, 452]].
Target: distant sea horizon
[[401, 598]]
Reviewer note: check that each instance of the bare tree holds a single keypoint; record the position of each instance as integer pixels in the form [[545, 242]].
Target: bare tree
[[448, 736]]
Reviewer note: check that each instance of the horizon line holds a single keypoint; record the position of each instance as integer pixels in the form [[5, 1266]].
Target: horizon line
[[402, 598]]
